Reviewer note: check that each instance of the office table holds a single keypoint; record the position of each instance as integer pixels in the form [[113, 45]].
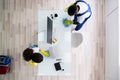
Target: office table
[[59, 51]]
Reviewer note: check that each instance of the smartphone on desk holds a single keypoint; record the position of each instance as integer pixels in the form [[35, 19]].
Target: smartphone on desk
[[58, 66]]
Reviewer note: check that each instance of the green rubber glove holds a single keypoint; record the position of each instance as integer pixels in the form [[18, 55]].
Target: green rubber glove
[[68, 22]]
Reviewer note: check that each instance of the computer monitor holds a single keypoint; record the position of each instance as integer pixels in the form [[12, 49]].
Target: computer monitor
[[49, 30]]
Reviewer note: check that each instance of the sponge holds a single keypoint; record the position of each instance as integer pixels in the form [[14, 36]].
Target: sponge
[[67, 22]]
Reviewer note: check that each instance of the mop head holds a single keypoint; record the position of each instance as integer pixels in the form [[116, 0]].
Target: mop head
[[67, 22]]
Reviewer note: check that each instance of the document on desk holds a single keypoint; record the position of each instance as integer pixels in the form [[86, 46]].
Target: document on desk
[[50, 26]]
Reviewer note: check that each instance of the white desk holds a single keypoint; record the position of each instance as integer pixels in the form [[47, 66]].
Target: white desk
[[61, 49]]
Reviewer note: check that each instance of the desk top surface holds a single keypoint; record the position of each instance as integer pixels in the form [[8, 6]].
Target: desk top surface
[[60, 50]]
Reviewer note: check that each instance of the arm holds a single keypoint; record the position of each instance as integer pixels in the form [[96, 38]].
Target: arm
[[78, 27], [76, 23]]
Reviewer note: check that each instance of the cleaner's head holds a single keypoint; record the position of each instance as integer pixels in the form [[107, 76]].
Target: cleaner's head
[[37, 57], [27, 53], [73, 9]]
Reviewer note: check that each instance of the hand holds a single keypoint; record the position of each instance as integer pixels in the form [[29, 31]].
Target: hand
[[76, 23]]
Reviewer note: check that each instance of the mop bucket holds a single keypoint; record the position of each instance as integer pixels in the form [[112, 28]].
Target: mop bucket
[[5, 62]]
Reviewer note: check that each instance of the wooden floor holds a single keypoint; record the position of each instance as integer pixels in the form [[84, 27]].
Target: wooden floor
[[19, 27]]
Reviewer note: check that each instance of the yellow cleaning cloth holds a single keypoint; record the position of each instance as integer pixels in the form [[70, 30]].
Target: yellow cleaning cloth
[[32, 63], [45, 53], [68, 7]]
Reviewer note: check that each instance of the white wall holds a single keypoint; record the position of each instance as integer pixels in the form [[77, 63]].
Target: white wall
[[112, 40], [119, 40]]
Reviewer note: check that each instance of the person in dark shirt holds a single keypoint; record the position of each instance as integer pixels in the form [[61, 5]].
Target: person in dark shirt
[[81, 11]]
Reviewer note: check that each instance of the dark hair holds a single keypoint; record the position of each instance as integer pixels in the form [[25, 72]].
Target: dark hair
[[27, 54], [37, 57], [72, 10]]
